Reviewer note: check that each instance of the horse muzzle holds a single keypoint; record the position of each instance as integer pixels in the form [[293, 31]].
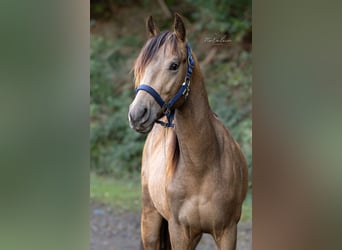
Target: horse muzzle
[[141, 116]]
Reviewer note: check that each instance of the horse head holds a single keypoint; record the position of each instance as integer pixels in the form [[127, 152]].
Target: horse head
[[162, 70]]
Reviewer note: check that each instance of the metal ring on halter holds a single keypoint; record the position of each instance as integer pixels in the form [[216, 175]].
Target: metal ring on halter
[[166, 109]]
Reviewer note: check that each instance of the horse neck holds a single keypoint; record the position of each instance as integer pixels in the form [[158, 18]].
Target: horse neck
[[194, 125]]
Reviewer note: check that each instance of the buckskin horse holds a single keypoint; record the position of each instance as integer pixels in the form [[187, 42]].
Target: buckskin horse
[[194, 174]]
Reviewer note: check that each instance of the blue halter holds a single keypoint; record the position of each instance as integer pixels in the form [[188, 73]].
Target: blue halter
[[167, 107]]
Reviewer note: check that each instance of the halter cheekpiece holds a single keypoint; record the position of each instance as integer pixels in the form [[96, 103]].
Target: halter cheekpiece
[[167, 107]]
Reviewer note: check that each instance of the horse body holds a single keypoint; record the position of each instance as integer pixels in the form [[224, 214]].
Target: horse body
[[194, 175]]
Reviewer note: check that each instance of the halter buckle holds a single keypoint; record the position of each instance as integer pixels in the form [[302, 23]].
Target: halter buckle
[[166, 109], [187, 90]]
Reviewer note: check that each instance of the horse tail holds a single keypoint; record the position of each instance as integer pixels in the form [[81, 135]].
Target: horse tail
[[165, 243]]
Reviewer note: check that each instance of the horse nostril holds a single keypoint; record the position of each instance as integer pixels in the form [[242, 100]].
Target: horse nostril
[[144, 112], [144, 115]]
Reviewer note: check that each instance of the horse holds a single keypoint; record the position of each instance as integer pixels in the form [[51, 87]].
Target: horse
[[193, 175]]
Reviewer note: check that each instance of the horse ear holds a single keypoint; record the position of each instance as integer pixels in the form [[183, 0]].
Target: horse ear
[[151, 28], [179, 27]]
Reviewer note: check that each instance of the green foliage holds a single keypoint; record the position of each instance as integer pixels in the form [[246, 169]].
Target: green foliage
[[115, 147], [229, 90], [226, 16], [104, 8], [100, 71]]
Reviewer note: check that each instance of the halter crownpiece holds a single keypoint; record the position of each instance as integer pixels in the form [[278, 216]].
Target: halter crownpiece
[[167, 107]]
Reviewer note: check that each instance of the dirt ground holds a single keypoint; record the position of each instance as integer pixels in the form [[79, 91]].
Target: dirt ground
[[112, 229]]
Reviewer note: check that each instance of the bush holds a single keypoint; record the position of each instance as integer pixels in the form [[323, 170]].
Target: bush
[[232, 17], [115, 147], [229, 89]]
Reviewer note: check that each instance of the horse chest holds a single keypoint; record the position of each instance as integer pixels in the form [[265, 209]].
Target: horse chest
[[201, 212], [157, 189], [198, 207]]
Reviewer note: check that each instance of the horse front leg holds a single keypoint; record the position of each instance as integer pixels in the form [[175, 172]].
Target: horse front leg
[[182, 237], [150, 224], [150, 229], [227, 239]]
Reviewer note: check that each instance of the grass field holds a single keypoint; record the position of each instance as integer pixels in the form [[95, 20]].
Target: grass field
[[121, 193], [125, 194]]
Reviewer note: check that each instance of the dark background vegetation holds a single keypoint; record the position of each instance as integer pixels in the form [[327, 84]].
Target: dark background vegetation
[[44, 125], [118, 34]]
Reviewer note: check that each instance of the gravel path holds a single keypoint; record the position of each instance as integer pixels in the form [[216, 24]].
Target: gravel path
[[120, 230]]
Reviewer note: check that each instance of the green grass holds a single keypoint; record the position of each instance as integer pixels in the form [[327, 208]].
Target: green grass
[[122, 193], [126, 194]]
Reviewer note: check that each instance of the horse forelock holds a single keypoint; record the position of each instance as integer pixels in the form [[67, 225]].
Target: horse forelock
[[165, 39]]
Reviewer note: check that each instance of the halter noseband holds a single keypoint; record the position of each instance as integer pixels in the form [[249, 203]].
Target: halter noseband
[[167, 107]]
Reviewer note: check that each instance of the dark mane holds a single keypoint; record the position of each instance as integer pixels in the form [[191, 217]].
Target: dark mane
[[150, 50]]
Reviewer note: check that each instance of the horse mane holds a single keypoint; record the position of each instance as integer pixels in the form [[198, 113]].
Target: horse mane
[[150, 50]]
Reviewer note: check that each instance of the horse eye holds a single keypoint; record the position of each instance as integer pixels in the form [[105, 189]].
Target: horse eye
[[174, 66]]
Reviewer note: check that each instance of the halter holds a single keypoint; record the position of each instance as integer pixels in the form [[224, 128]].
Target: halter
[[167, 107]]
